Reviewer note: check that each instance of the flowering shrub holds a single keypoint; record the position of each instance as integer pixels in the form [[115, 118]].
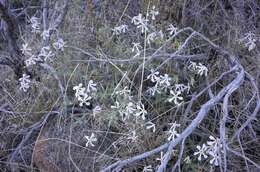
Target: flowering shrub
[[131, 91]]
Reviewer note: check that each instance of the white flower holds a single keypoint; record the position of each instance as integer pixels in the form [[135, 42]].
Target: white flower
[[201, 69], [172, 132], [192, 65], [91, 86], [140, 22], [120, 109], [174, 125], [79, 90], [90, 139], [176, 97], [143, 26], [148, 169], [150, 125], [153, 76], [81, 95], [124, 28], [249, 40], [133, 137], [46, 53], [125, 92], [59, 45], [215, 158], [251, 44], [154, 12], [26, 50], [201, 152], [130, 108], [172, 29], [116, 30], [165, 81], [31, 61], [140, 111], [136, 47], [214, 142], [151, 37], [119, 29], [136, 19], [24, 82], [214, 150], [151, 91], [96, 110], [172, 135], [84, 99], [181, 88]]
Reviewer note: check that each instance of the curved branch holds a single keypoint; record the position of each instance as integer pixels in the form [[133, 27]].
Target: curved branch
[[222, 128], [202, 113]]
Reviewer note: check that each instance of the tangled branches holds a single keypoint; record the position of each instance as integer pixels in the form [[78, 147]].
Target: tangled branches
[[139, 88]]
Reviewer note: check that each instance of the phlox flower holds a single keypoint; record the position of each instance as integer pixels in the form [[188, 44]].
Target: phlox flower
[[176, 97], [90, 139], [24, 82], [202, 150]]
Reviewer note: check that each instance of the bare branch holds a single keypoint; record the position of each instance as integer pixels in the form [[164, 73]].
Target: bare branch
[[202, 113], [10, 32]]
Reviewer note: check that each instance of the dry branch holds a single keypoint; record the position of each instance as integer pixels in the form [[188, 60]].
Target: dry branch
[[10, 32]]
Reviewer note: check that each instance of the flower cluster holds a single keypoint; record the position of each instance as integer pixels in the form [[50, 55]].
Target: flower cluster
[[163, 83], [27, 51], [172, 131], [82, 94], [45, 54], [199, 68], [24, 82], [131, 108], [141, 22], [212, 149], [120, 29], [249, 41]]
